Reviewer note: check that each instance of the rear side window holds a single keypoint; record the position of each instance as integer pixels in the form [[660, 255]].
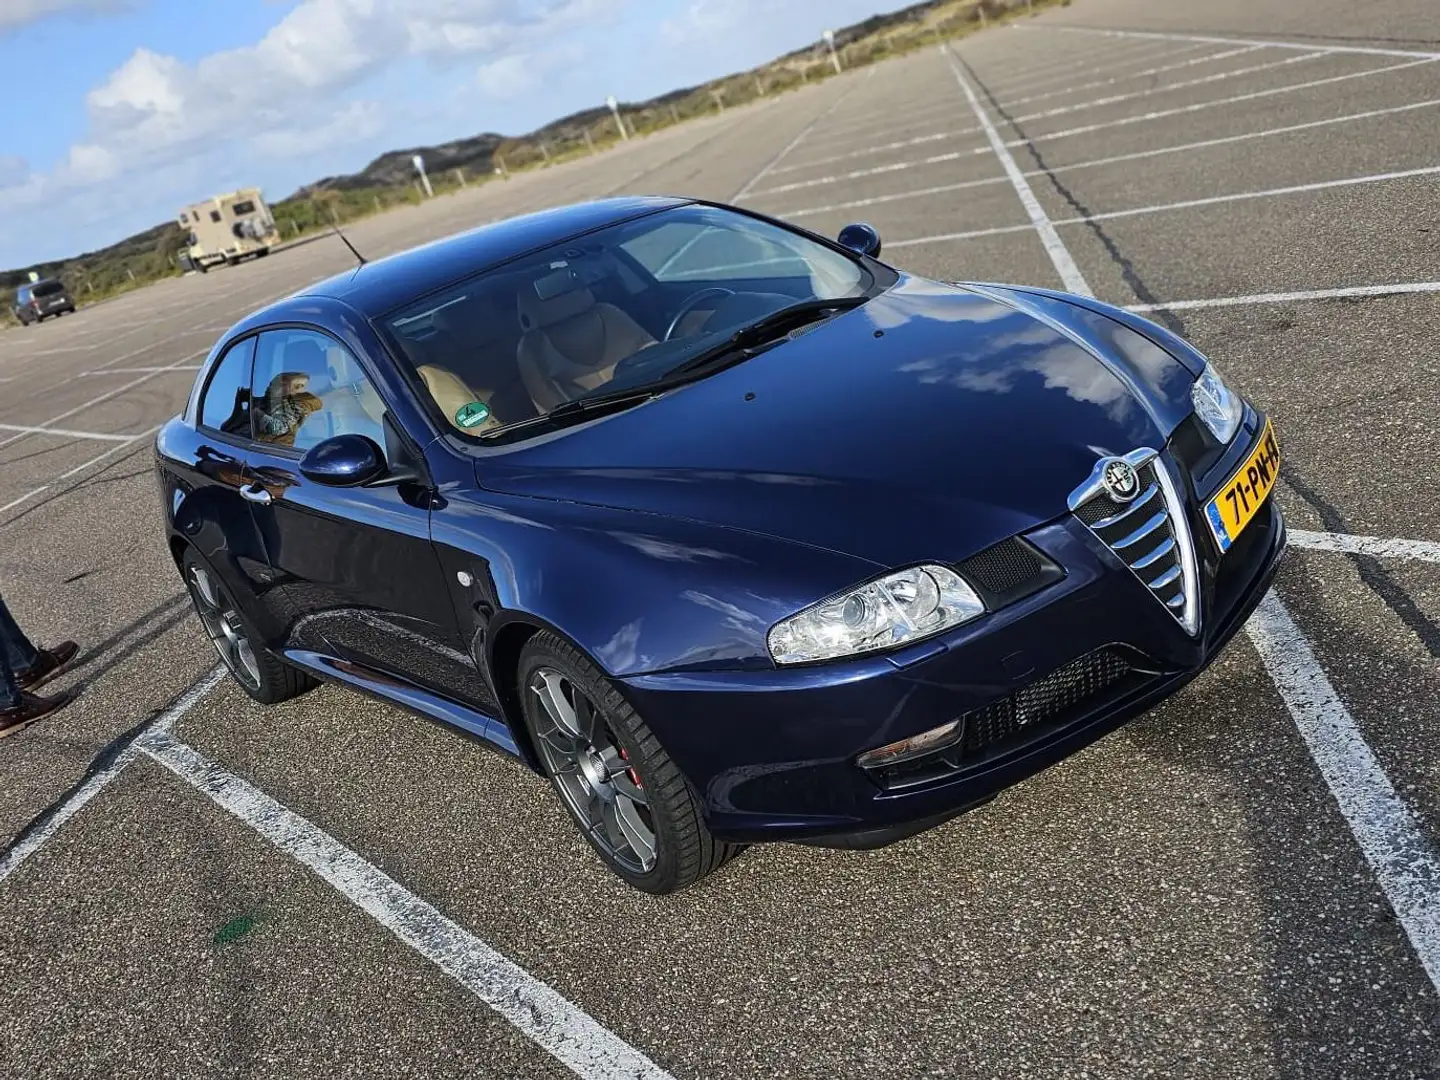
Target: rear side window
[[226, 404]]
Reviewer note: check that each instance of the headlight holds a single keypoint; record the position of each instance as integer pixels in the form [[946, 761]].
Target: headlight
[[897, 609], [1216, 405]]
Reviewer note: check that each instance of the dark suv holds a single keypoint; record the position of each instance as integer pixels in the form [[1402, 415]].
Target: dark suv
[[38, 299]]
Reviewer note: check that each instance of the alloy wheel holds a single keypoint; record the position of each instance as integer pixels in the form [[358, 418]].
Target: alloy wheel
[[593, 772], [223, 624]]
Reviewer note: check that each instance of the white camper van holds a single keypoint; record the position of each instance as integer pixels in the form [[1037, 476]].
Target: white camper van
[[228, 228]]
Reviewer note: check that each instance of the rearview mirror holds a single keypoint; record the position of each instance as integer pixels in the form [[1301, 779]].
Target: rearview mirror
[[861, 239], [343, 461]]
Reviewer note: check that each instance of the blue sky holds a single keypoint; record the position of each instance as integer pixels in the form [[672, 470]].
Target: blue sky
[[121, 111]]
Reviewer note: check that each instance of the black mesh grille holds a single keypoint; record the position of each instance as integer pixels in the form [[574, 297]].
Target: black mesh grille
[[1006, 566], [1026, 713], [1058, 692], [1098, 509]]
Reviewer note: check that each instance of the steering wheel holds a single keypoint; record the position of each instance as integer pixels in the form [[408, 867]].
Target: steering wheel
[[691, 303]]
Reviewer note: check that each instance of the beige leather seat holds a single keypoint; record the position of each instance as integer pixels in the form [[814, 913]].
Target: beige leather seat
[[572, 344]]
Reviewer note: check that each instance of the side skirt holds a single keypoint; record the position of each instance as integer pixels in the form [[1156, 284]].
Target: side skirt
[[408, 696]]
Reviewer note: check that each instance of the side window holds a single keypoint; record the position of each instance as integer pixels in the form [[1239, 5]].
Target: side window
[[226, 404], [307, 388]]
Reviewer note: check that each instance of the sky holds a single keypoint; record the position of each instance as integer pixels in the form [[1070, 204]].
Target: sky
[[120, 112]]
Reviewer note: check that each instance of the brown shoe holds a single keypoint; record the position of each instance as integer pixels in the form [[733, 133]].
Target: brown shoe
[[32, 707], [48, 663]]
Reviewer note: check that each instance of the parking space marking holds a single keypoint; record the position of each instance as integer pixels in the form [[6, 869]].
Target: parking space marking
[[102, 456], [135, 370], [901, 144], [1209, 58], [1365, 50], [1138, 155], [875, 170], [793, 143], [1389, 837], [66, 433], [554, 1023], [1187, 204], [1162, 114], [1397, 289], [1059, 254], [1381, 546], [24, 498], [125, 388], [33, 838], [1165, 88], [1404, 862]]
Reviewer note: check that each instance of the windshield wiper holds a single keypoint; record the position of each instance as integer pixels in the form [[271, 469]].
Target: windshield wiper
[[765, 330], [580, 408]]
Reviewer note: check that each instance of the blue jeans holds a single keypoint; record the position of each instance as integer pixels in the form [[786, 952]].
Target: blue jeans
[[16, 655]]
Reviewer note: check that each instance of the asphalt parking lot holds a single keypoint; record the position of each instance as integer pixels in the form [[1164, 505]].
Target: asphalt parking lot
[[1243, 883]]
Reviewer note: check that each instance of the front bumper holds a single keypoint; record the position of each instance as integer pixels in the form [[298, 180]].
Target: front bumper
[[773, 753]]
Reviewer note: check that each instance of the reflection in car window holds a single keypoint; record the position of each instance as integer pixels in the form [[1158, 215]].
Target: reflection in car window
[[226, 406], [307, 388], [624, 304]]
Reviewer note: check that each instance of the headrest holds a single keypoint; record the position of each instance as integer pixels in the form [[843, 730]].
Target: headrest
[[305, 356], [536, 314]]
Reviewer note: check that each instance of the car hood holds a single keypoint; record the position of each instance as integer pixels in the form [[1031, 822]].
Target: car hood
[[927, 424]]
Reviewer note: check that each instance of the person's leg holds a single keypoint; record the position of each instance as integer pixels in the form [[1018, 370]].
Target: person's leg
[[9, 688], [19, 652]]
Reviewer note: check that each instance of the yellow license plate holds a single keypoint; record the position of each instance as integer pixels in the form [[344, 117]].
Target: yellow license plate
[[1244, 493]]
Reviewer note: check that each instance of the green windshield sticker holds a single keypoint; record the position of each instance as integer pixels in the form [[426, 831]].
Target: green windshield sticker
[[472, 415]]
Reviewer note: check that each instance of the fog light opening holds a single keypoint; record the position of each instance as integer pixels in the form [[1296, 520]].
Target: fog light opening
[[926, 742]]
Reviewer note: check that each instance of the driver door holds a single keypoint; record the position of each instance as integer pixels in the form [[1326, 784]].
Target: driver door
[[354, 566]]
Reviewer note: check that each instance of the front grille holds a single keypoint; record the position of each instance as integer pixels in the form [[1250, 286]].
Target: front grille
[[1149, 535], [1031, 711], [1059, 692]]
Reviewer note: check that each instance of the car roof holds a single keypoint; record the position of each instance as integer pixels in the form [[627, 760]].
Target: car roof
[[386, 283]]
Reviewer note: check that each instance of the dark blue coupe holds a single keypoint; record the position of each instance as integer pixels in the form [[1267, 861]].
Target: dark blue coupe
[[734, 532]]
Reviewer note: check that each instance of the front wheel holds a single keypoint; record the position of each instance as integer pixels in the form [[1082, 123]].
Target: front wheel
[[259, 672], [629, 799]]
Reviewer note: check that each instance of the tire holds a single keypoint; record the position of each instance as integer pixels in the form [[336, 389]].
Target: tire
[[259, 672], [622, 754]]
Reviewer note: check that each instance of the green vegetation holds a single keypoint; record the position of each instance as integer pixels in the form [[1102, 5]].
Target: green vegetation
[[389, 180]]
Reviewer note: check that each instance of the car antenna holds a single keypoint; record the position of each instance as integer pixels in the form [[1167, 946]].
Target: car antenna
[[343, 238]]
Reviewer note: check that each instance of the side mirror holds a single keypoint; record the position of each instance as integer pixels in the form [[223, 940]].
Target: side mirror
[[343, 461], [861, 239]]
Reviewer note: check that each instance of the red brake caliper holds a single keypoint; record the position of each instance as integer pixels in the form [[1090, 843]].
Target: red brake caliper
[[634, 776]]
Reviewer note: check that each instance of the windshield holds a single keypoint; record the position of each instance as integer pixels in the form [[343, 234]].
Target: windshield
[[617, 309]]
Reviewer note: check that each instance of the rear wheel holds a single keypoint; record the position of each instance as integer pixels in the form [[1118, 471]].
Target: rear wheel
[[629, 799], [262, 675]]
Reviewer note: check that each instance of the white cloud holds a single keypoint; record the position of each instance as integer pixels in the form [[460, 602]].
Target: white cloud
[[17, 13], [518, 74], [356, 121]]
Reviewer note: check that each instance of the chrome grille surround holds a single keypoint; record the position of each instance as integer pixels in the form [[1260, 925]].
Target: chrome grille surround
[[1150, 533]]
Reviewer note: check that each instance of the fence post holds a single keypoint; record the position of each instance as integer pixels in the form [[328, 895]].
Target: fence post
[[545, 150], [460, 176], [377, 203], [759, 87], [674, 112], [130, 273], [589, 141], [719, 96]]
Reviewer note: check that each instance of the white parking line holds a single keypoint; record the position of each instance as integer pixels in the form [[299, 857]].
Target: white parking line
[[1380, 546], [1187, 204], [1361, 49], [1198, 106], [24, 498], [1397, 289], [96, 782], [1059, 255], [113, 450], [1389, 837], [1137, 155], [765, 171], [1165, 88], [66, 434], [900, 144], [136, 370], [1209, 58], [1009, 85], [875, 170], [1404, 862], [556, 1025]]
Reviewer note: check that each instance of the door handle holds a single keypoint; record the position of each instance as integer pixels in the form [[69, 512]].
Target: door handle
[[256, 494]]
